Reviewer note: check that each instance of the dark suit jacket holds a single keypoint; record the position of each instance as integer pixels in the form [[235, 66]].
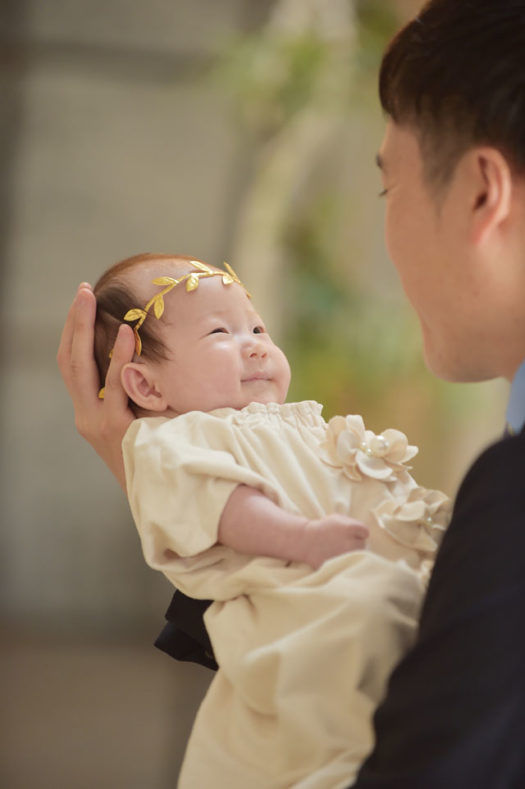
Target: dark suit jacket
[[454, 713]]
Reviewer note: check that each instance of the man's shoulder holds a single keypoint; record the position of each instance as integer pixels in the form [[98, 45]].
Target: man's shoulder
[[498, 470], [492, 495], [485, 539]]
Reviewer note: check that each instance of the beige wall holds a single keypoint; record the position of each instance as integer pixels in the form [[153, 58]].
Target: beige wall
[[113, 142], [122, 145]]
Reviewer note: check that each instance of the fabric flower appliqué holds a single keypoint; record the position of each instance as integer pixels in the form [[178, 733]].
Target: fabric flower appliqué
[[362, 453], [416, 521]]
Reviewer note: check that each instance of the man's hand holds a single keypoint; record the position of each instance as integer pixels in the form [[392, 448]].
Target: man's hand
[[102, 423]]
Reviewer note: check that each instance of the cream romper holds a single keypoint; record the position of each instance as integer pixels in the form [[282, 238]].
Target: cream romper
[[304, 655]]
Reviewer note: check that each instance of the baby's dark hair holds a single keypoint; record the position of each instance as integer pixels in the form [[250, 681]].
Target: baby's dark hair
[[115, 296]]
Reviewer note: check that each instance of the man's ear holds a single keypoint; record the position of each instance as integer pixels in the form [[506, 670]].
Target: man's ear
[[491, 194], [139, 383]]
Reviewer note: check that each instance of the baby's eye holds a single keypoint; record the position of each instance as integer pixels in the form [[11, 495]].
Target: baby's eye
[[259, 330], [219, 330]]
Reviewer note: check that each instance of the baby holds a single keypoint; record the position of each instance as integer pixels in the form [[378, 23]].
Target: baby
[[311, 538]]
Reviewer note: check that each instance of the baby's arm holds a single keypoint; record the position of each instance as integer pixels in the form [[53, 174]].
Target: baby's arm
[[253, 524]]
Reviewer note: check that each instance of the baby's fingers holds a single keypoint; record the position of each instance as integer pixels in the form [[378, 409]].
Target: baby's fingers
[[360, 531], [358, 540]]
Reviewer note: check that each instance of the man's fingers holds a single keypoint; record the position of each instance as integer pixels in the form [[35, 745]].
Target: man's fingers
[[81, 310], [122, 353], [66, 338], [101, 422], [83, 375], [117, 414]]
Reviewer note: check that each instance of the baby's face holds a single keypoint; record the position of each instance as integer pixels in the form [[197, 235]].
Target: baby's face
[[219, 352]]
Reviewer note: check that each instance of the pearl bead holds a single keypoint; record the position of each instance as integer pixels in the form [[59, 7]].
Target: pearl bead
[[379, 446]]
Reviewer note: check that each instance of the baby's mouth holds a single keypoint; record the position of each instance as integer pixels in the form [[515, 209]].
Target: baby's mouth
[[256, 377]]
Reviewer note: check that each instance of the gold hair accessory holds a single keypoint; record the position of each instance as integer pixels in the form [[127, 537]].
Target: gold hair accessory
[[168, 283]]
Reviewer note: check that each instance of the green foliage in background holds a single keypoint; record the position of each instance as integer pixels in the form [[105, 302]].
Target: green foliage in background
[[377, 22], [272, 75], [353, 342], [346, 342], [271, 78]]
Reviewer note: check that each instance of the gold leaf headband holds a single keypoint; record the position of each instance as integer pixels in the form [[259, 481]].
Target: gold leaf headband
[[168, 283]]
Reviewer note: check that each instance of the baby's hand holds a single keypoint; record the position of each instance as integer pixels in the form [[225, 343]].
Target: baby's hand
[[331, 536]]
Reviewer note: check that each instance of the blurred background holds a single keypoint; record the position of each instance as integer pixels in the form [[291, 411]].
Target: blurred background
[[239, 130]]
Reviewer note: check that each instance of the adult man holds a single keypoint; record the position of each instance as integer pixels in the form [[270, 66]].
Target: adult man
[[453, 164]]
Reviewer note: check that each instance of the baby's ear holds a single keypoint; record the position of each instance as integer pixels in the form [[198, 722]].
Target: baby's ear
[[138, 381]]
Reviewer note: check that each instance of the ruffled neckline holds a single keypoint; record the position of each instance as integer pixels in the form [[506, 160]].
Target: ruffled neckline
[[305, 412]]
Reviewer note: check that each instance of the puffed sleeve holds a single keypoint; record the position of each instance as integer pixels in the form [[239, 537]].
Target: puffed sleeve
[[179, 475]]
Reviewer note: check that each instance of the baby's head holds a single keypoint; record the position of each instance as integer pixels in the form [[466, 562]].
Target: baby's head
[[208, 349]]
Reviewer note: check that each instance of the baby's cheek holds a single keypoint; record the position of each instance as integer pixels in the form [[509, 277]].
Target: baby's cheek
[[285, 374]]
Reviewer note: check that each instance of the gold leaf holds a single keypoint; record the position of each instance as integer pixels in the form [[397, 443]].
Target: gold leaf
[[201, 266], [101, 393], [192, 283], [138, 344], [227, 279], [134, 315], [158, 306], [165, 281]]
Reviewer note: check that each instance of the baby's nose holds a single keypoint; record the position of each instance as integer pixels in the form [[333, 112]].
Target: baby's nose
[[254, 348], [257, 353]]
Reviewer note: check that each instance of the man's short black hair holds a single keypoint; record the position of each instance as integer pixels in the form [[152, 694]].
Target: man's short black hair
[[456, 75]]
